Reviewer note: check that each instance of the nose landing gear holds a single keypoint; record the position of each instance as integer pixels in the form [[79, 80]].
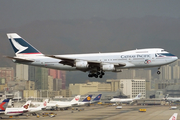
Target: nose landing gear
[[158, 72]]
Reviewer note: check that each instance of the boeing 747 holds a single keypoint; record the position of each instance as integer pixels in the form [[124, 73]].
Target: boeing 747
[[95, 64]]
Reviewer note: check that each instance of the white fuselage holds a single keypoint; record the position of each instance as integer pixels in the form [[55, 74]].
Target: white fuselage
[[173, 99], [154, 57], [15, 111], [121, 100]]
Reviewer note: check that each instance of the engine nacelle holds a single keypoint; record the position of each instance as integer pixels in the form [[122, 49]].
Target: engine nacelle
[[81, 64], [108, 67]]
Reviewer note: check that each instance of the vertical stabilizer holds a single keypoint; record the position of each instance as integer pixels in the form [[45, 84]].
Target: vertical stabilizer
[[26, 105], [87, 99], [97, 98], [44, 104], [20, 45], [76, 99], [3, 105], [137, 97], [174, 116]]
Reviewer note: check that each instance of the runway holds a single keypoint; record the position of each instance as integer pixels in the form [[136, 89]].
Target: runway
[[110, 113]]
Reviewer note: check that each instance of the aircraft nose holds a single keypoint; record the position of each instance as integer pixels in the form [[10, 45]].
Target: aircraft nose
[[175, 58]]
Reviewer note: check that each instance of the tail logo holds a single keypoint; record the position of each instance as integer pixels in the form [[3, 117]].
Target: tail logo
[[45, 103], [1, 106], [173, 118], [26, 106], [19, 47], [77, 98], [88, 98]]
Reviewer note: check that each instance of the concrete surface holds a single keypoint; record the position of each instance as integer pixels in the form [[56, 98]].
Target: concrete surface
[[109, 113]]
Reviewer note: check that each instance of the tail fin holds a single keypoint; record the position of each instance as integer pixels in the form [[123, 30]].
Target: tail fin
[[166, 96], [44, 103], [76, 99], [87, 99], [27, 104], [138, 96], [3, 105], [174, 116], [97, 98], [21, 46]]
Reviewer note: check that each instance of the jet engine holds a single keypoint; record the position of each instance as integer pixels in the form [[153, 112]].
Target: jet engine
[[108, 67], [81, 64]]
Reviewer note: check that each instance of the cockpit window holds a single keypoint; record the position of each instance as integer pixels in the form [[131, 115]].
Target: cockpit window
[[163, 50], [163, 54]]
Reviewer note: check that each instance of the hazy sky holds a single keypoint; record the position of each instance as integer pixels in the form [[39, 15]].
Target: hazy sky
[[14, 13]]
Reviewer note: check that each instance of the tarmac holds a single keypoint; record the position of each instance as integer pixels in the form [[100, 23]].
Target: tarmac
[[99, 112]]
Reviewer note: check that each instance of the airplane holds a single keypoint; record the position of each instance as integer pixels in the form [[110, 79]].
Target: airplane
[[3, 106], [39, 108], [174, 116], [96, 99], [87, 100], [95, 63], [171, 99], [18, 111], [66, 104], [48, 105], [126, 100]]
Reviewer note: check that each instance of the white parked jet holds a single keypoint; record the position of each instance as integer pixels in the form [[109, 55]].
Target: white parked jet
[[87, 100], [96, 63], [174, 116], [171, 99], [48, 105], [66, 104], [18, 111], [39, 108], [126, 100]]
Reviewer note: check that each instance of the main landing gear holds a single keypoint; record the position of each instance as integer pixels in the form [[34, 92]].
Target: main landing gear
[[97, 74], [158, 72]]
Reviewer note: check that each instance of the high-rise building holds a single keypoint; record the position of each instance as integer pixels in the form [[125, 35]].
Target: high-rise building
[[41, 78], [22, 72], [165, 73], [58, 74], [176, 72], [6, 74]]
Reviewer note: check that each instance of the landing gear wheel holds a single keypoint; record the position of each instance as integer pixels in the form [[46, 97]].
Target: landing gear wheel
[[102, 73], [100, 76], [96, 76], [158, 72]]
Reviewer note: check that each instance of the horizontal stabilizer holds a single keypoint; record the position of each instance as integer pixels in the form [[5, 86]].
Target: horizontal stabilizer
[[19, 59]]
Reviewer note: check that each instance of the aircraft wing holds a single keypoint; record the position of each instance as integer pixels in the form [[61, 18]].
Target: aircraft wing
[[19, 59], [70, 61]]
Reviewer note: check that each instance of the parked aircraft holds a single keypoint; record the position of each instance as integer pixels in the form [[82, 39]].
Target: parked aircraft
[[18, 111], [174, 116], [39, 108], [96, 63], [3, 106], [126, 100], [171, 99], [96, 99], [87, 100], [66, 104], [48, 105]]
